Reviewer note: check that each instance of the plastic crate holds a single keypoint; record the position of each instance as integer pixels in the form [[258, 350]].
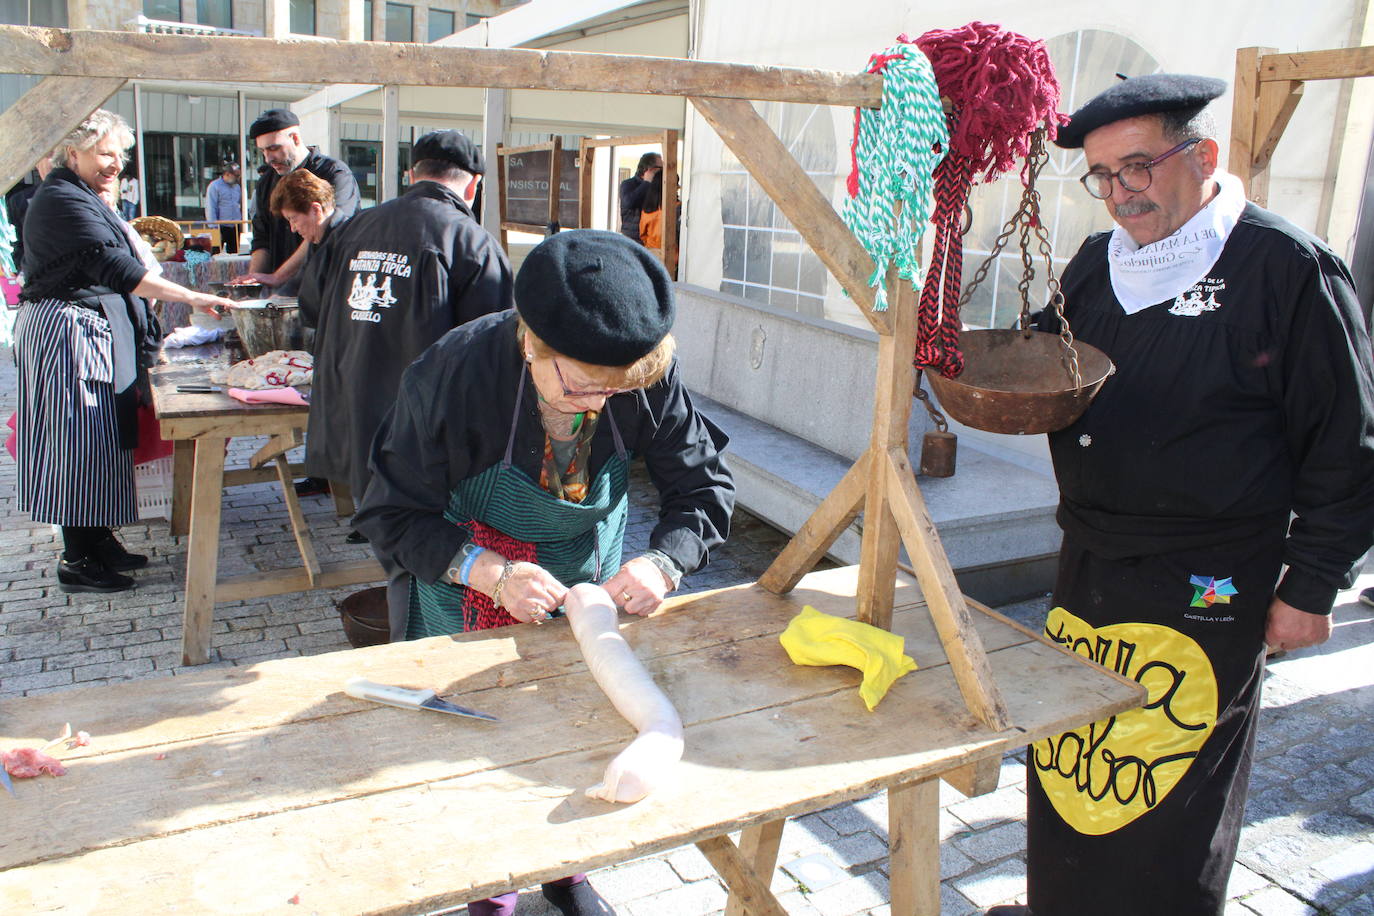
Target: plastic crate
[[153, 486]]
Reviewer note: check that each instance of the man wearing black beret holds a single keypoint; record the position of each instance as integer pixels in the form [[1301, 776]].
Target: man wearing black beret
[[389, 283], [500, 478], [278, 252], [1235, 439]]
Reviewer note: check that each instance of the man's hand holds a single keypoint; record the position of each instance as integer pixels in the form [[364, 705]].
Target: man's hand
[[1289, 628], [254, 276], [639, 587]]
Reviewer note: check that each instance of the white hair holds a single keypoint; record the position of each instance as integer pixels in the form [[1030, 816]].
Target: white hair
[[97, 126]]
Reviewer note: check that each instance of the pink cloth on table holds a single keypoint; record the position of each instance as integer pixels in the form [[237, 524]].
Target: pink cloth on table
[[269, 396]]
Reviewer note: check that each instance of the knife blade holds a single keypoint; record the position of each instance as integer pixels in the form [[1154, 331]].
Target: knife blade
[[5, 780], [361, 688]]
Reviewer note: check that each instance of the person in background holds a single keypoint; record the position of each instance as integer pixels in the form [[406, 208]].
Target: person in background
[[389, 283], [128, 193], [651, 220], [632, 191], [224, 205], [17, 205], [1214, 496], [278, 253], [499, 478], [83, 340]]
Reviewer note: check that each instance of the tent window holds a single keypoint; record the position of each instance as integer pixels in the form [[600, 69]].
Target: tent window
[[1086, 63], [763, 257]]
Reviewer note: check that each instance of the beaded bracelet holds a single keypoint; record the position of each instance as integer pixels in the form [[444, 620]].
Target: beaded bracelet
[[501, 582]]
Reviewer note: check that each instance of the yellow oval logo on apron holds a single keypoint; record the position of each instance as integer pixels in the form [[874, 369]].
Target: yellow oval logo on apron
[[1103, 776]]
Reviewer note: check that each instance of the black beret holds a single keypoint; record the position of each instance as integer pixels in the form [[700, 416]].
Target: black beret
[[596, 297], [272, 120], [449, 146], [1139, 95]]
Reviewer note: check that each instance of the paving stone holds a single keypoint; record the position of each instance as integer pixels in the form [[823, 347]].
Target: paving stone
[[1243, 881], [860, 849], [816, 871], [641, 878], [846, 819], [1364, 803], [995, 885], [684, 900], [854, 895], [994, 843], [1275, 901], [995, 807]]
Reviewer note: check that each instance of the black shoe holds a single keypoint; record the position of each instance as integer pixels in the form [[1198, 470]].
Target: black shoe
[[355, 537], [112, 554], [1367, 596], [580, 899], [312, 486], [90, 575]]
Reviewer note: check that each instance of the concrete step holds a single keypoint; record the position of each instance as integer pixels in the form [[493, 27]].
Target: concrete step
[[995, 518]]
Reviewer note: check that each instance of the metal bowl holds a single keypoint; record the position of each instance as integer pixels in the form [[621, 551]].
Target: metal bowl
[[270, 324], [1018, 384], [237, 291]]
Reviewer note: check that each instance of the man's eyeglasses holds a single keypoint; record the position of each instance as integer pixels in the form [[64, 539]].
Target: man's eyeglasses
[[1134, 177], [595, 393]]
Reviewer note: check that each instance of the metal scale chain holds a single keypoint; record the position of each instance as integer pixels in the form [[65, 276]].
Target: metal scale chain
[[938, 449], [1026, 220]]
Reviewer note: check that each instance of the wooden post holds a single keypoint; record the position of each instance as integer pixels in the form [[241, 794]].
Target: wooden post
[[913, 831], [668, 253], [277, 16], [749, 889], [555, 180], [835, 513], [495, 122], [389, 162], [891, 415], [202, 555], [378, 20], [963, 646], [758, 846], [45, 114], [500, 193], [586, 182]]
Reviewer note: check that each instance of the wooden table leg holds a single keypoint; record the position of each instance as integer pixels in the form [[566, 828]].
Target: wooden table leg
[[759, 847], [343, 498], [298, 526], [183, 465], [913, 830], [202, 554], [744, 884]]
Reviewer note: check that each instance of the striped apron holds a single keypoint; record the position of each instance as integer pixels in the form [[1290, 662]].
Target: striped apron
[[506, 511], [72, 470]]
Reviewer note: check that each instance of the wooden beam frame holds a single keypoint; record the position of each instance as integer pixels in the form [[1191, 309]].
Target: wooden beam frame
[[137, 55], [45, 114], [1268, 87]]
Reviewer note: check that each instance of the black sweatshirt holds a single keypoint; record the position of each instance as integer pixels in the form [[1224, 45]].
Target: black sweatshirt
[[1251, 401]]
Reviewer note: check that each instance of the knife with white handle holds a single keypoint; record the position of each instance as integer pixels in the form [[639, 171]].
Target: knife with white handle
[[407, 698]]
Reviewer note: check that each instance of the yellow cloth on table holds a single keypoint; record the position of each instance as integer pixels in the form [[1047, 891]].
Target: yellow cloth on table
[[815, 638]]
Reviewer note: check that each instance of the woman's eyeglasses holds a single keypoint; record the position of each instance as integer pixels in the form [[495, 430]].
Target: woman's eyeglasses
[[1134, 177], [595, 393]]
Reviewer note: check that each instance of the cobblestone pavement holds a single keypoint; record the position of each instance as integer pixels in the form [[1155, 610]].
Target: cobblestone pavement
[[1308, 844]]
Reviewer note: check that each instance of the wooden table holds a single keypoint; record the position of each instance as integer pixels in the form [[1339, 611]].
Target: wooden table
[[201, 425], [265, 789]]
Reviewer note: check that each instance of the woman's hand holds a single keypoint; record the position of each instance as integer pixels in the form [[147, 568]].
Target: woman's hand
[[639, 587], [530, 594], [214, 305]]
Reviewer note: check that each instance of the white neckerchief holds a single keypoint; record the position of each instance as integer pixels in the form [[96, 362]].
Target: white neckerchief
[[1143, 276]]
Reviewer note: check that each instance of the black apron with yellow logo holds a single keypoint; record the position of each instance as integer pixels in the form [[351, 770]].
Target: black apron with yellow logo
[[1141, 813]]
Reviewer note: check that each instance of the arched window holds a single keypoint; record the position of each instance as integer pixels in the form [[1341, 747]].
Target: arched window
[[1086, 62], [764, 258]]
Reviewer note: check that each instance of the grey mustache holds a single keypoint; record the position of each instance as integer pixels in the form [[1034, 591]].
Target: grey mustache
[[1135, 208]]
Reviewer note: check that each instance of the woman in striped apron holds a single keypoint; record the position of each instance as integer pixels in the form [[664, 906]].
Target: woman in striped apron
[[500, 476], [82, 341]]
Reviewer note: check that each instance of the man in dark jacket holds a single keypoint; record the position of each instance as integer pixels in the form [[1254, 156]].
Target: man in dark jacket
[[17, 206], [279, 253], [395, 279]]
